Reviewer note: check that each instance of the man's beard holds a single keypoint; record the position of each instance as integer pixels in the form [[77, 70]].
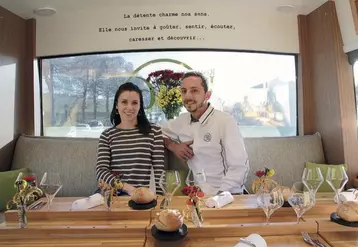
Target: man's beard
[[196, 108]]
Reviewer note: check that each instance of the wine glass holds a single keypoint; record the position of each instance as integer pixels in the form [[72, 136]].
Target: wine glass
[[269, 198], [301, 199], [190, 179], [169, 182], [312, 177], [199, 179], [50, 185], [337, 179]]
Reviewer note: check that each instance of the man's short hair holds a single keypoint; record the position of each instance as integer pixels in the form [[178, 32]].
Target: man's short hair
[[197, 74]]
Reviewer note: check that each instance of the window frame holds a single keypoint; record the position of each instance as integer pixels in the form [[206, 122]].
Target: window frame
[[295, 55]]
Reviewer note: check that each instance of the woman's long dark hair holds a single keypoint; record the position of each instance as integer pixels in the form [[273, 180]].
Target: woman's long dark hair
[[143, 123]]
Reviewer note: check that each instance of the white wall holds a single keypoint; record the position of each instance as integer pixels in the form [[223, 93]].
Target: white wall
[[7, 103], [345, 18], [258, 26]]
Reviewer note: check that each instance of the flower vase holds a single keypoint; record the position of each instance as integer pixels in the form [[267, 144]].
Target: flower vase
[[196, 216], [172, 112], [108, 199], [169, 115], [22, 214]]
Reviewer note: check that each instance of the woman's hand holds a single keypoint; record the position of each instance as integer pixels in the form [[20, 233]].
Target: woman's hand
[[128, 188]]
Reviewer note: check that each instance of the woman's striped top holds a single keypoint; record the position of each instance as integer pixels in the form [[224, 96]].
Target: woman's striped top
[[132, 154]]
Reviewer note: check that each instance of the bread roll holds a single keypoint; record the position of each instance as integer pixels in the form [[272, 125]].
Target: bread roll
[[348, 211], [142, 195], [286, 192], [169, 220]]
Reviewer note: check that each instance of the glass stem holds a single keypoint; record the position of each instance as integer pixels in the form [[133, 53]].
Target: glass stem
[[298, 219], [267, 220], [168, 201], [337, 197], [49, 201]]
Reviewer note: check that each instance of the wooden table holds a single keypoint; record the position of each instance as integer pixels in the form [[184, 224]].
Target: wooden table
[[123, 226], [246, 206], [60, 210], [272, 241], [60, 226], [341, 239], [85, 242], [338, 235]]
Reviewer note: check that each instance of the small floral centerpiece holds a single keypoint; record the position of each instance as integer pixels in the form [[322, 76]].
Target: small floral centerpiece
[[262, 177], [26, 191], [166, 84], [108, 191], [193, 204]]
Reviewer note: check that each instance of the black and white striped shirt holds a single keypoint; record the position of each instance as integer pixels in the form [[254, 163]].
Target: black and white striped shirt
[[132, 154]]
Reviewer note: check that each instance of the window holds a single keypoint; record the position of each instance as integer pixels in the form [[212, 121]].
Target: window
[[257, 89], [354, 8]]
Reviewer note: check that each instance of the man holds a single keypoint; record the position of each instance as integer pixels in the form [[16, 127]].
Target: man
[[207, 139]]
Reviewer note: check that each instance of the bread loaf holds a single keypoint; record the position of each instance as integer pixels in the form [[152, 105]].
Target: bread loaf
[[348, 211], [142, 195], [169, 220]]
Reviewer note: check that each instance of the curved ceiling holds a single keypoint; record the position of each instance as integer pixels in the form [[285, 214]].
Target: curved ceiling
[[24, 8]]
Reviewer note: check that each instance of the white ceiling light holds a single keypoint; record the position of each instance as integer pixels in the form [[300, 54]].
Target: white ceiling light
[[46, 11], [286, 8]]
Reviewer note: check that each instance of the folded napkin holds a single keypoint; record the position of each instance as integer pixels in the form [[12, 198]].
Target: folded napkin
[[88, 202], [256, 239], [220, 200], [347, 196]]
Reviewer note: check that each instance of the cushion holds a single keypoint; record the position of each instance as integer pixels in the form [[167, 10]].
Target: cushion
[[325, 187], [7, 180], [61, 155]]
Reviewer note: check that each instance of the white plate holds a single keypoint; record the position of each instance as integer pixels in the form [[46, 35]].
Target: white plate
[[255, 239]]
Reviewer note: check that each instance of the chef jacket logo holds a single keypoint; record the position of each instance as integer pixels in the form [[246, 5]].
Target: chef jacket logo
[[207, 137]]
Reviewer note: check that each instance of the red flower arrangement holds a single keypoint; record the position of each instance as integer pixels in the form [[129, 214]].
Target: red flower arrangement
[[195, 194], [168, 77], [29, 178]]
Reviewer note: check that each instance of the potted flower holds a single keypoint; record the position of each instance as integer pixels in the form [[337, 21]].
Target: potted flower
[[166, 84]]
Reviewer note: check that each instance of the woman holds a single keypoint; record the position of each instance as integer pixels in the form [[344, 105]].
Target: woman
[[132, 146]]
